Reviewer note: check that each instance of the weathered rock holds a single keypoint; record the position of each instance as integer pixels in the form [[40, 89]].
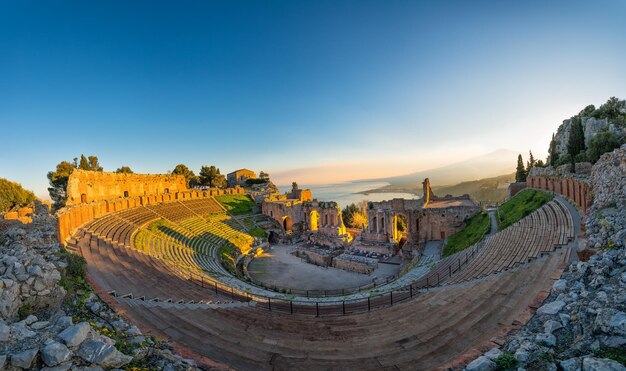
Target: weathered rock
[[572, 364], [481, 364], [75, 335], [5, 331], [3, 361], [550, 326], [55, 353], [103, 354], [64, 322], [551, 308], [493, 353], [24, 359], [601, 364], [610, 321], [39, 325], [546, 339], [559, 286]]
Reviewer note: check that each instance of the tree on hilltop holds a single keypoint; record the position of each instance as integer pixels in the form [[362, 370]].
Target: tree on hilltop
[[189, 175], [553, 155], [59, 177], [294, 186], [520, 171], [90, 163], [264, 175], [210, 176], [124, 170], [576, 143], [531, 163], [12, 195]]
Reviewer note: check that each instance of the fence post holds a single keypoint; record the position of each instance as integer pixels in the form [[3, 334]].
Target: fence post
[[391, 297], [232, 292], [411, 288], [317, 309], [201, 281], [343, 305], [368, 303], [215, 287], [449, 270], [291, 306], [269, 303]]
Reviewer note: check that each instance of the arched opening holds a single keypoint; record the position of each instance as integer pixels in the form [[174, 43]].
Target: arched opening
[[374, 224], [83, 198], [166, 190], [325, 219], [125, 193], [399, 227], [287, 223], [314, 220]]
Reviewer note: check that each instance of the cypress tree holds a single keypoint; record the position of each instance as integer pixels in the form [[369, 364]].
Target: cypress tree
[[576, 143], [553, 155], [520, 171], [531, 163]]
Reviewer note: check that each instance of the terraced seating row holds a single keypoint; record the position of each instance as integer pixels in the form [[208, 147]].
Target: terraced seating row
[[131, 272], [541, 232], [419, 334]]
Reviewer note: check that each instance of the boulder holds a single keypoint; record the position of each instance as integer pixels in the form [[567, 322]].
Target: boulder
[[551, 325], [551, 308], [24, 359], [610, 321], [481, 363], [601, 364], [546, 339], [55, 353], [493, 353], [75, 335], [5, 331], [559, 286], [103, 354], [572, 364]]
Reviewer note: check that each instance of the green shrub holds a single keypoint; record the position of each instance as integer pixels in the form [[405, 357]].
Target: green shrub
[[506, 361], [616, 354], [24, 311], [12, 194], [258, 232], [475, 228]]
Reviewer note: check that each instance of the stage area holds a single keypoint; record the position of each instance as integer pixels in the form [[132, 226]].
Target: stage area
[[278, 267]]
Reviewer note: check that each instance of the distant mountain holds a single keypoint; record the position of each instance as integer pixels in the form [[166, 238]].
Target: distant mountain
[[486, 191], [491, 164]]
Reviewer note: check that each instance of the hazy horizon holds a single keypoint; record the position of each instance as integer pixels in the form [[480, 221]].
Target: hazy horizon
[[316, 92]]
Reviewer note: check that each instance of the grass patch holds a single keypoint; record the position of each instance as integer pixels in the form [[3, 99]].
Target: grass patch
[[258, 232], [616, 354], [521, 205], [73, 277], [24, 311], [236, 204], [475, 228], [228, 257]]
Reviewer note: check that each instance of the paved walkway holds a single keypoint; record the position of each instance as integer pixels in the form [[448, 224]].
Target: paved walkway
[[494, 223]]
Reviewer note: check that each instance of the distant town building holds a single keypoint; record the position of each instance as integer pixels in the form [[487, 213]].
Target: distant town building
[[239, 177]]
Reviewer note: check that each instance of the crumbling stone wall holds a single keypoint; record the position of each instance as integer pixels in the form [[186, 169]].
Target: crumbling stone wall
[[88, 186], [72, 217], [435, 220]]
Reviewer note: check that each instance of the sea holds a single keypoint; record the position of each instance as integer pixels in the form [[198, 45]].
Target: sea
[[346, 193]]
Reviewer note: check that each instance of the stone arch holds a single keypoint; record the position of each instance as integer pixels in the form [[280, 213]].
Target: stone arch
[[399, 226], [125, 194], [287, 223], [314, 217]]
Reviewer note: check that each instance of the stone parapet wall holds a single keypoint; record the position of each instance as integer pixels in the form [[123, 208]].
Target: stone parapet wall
[[23, 214], [72, 217], [576, 189]]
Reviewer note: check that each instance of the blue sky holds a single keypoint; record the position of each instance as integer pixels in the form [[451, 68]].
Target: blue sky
[[346, 89]]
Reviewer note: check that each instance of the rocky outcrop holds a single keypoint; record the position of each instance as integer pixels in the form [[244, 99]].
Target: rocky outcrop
[[31, 268], [591, 127], [606, 223], [583, 321]]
